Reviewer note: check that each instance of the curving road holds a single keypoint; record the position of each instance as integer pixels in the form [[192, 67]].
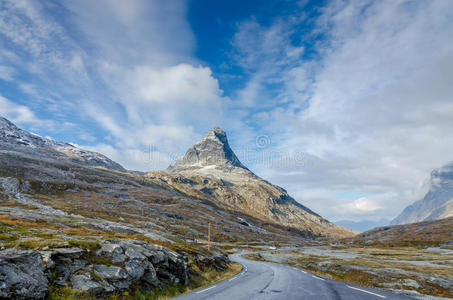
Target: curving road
[[261, 280]]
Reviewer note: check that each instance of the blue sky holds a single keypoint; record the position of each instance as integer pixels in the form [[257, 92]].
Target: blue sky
[[345, 103]]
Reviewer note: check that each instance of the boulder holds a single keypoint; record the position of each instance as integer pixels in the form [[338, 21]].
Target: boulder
[[114, 276], [85, 283], [22, 275], [150, 276], [218, 261]]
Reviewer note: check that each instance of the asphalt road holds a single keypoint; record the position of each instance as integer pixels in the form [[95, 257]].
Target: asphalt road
[[261, 280]]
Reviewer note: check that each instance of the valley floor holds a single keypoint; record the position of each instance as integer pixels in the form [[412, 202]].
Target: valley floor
[[410, 270]]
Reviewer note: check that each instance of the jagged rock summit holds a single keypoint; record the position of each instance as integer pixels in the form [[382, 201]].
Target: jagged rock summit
[[211, 170], [436, 204], [15, 140], [211, 151]]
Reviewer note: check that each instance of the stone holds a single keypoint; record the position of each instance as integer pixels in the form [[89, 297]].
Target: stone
[[132, 254], [110, 272], [67, 252], [410, 283], [22, 275], [115, 276], [114, 251], [159, 258], [150, 276], [85, 283]]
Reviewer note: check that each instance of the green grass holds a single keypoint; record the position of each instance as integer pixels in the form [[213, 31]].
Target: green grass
[[88, 245]]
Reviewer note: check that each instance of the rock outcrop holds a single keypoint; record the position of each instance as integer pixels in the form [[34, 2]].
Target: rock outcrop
[[114, 268], [436, 204], [22, 275]]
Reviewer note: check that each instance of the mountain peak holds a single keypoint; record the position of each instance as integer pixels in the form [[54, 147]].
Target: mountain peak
[[5, 123], [213, 150], [218, 130]]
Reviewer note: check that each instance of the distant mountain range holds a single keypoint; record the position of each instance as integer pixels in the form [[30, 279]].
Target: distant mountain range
[[363, 225], [436, 204]]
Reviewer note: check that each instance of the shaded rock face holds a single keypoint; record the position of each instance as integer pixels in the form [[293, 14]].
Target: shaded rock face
[[28, 274], [436, 204], [212, 150], [15, 139]]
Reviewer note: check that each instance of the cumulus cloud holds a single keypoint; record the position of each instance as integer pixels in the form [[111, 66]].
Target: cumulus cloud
[[182, 83]]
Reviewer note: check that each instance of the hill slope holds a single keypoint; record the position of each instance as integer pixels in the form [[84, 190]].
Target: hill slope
[[428, 233]]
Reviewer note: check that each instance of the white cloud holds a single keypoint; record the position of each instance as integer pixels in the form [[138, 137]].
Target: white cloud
[[375, 109], [362, 205], [20, 114], [177, 84], [134, 159]]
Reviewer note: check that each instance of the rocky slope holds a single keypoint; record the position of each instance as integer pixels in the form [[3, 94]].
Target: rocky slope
[[426, 234], [14, 139], [211, 170], [437, 203]]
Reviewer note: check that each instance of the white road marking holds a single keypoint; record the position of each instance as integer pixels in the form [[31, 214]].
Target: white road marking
[[232, 279], [354, 288], [206, 289], [317, 277]]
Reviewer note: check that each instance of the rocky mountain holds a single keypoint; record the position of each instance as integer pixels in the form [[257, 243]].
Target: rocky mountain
[[210, 170], [14, 139], [436, 204], [212, 150]]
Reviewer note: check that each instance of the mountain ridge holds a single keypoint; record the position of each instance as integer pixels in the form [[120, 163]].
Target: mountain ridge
[[13, 138]]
